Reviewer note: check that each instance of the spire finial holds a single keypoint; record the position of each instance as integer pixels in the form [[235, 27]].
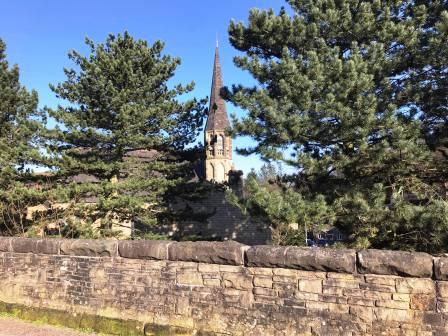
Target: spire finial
[[217, 42]]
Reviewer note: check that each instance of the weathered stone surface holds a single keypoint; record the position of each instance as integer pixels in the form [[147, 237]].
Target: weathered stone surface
[[144, 249], [48, 246], [216, 299], [310, 286], [412, 264], [263, 281], [309, 259], [441, 268], [442, 289], [33, 245], [89, 248], [238, 280], [415, 286], [365, 314], [423, 302], [226, 253], [5, 244], [189, 278], [24, 245]]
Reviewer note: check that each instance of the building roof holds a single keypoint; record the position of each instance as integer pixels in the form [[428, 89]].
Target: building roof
[[217, 113], [146, 155]]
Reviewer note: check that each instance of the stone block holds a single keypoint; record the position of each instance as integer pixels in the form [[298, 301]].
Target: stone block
[[341, 276], [390, 315], [285, 272], [24, 245], [341, 283], [262, 281], [263, 291], [316, 305], [49, 246], [34, 245], [284, 279], [313, 275], [212, 282], [231, 269], [182, 305], [285, 286], [302, 258], [89, 248], [231, 292], [360, 302], [431, 318], [442, 307], [237, 280], [144, 249], [260, 271], [392, 304], [331, 298], [329, 307], [333, 290], [211, 276], [310, 286], [364, 314], [415, 286], [441, 268], [225, 253], [189, 278], [353, 292], [381, 279], [401, 297], [402, 263], [377, 288], [294, 303], [307, 296], [5, 244], [379, 295], [442, 289], [208, 268], [423, 302]]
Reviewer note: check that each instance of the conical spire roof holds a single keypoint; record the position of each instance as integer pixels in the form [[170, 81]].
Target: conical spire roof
[[217, 115]]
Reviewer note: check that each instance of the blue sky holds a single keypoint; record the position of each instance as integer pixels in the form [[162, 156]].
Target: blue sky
[[39, 34]]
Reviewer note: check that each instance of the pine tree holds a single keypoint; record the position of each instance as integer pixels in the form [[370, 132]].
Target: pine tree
[[341, 87], [118, 102], [19, 123]]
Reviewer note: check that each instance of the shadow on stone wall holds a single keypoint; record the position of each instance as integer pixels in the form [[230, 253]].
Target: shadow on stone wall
[[213, 217]]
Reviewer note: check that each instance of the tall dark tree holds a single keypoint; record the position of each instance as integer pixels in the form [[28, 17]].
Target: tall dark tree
[[19, 122], [341, 87], [118, 102]]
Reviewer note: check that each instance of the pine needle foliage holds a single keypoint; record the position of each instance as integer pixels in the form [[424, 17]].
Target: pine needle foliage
[[348, 93], [115, 101], [19, 148]]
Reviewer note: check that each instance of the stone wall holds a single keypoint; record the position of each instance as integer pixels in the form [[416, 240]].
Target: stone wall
[[220, 220], [225, 288]]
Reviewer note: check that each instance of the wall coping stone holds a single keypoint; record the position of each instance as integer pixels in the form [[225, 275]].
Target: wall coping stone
[[224, 253], [144, 249], [89, 247], [402, 263], [441, 268], [35, 245], [381, 262], [303, 258], [5, 244]]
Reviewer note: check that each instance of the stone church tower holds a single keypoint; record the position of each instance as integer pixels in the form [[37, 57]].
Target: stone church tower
[[218, 146]]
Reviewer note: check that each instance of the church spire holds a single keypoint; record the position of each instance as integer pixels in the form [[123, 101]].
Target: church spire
[[217, 115], [218, 145]]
